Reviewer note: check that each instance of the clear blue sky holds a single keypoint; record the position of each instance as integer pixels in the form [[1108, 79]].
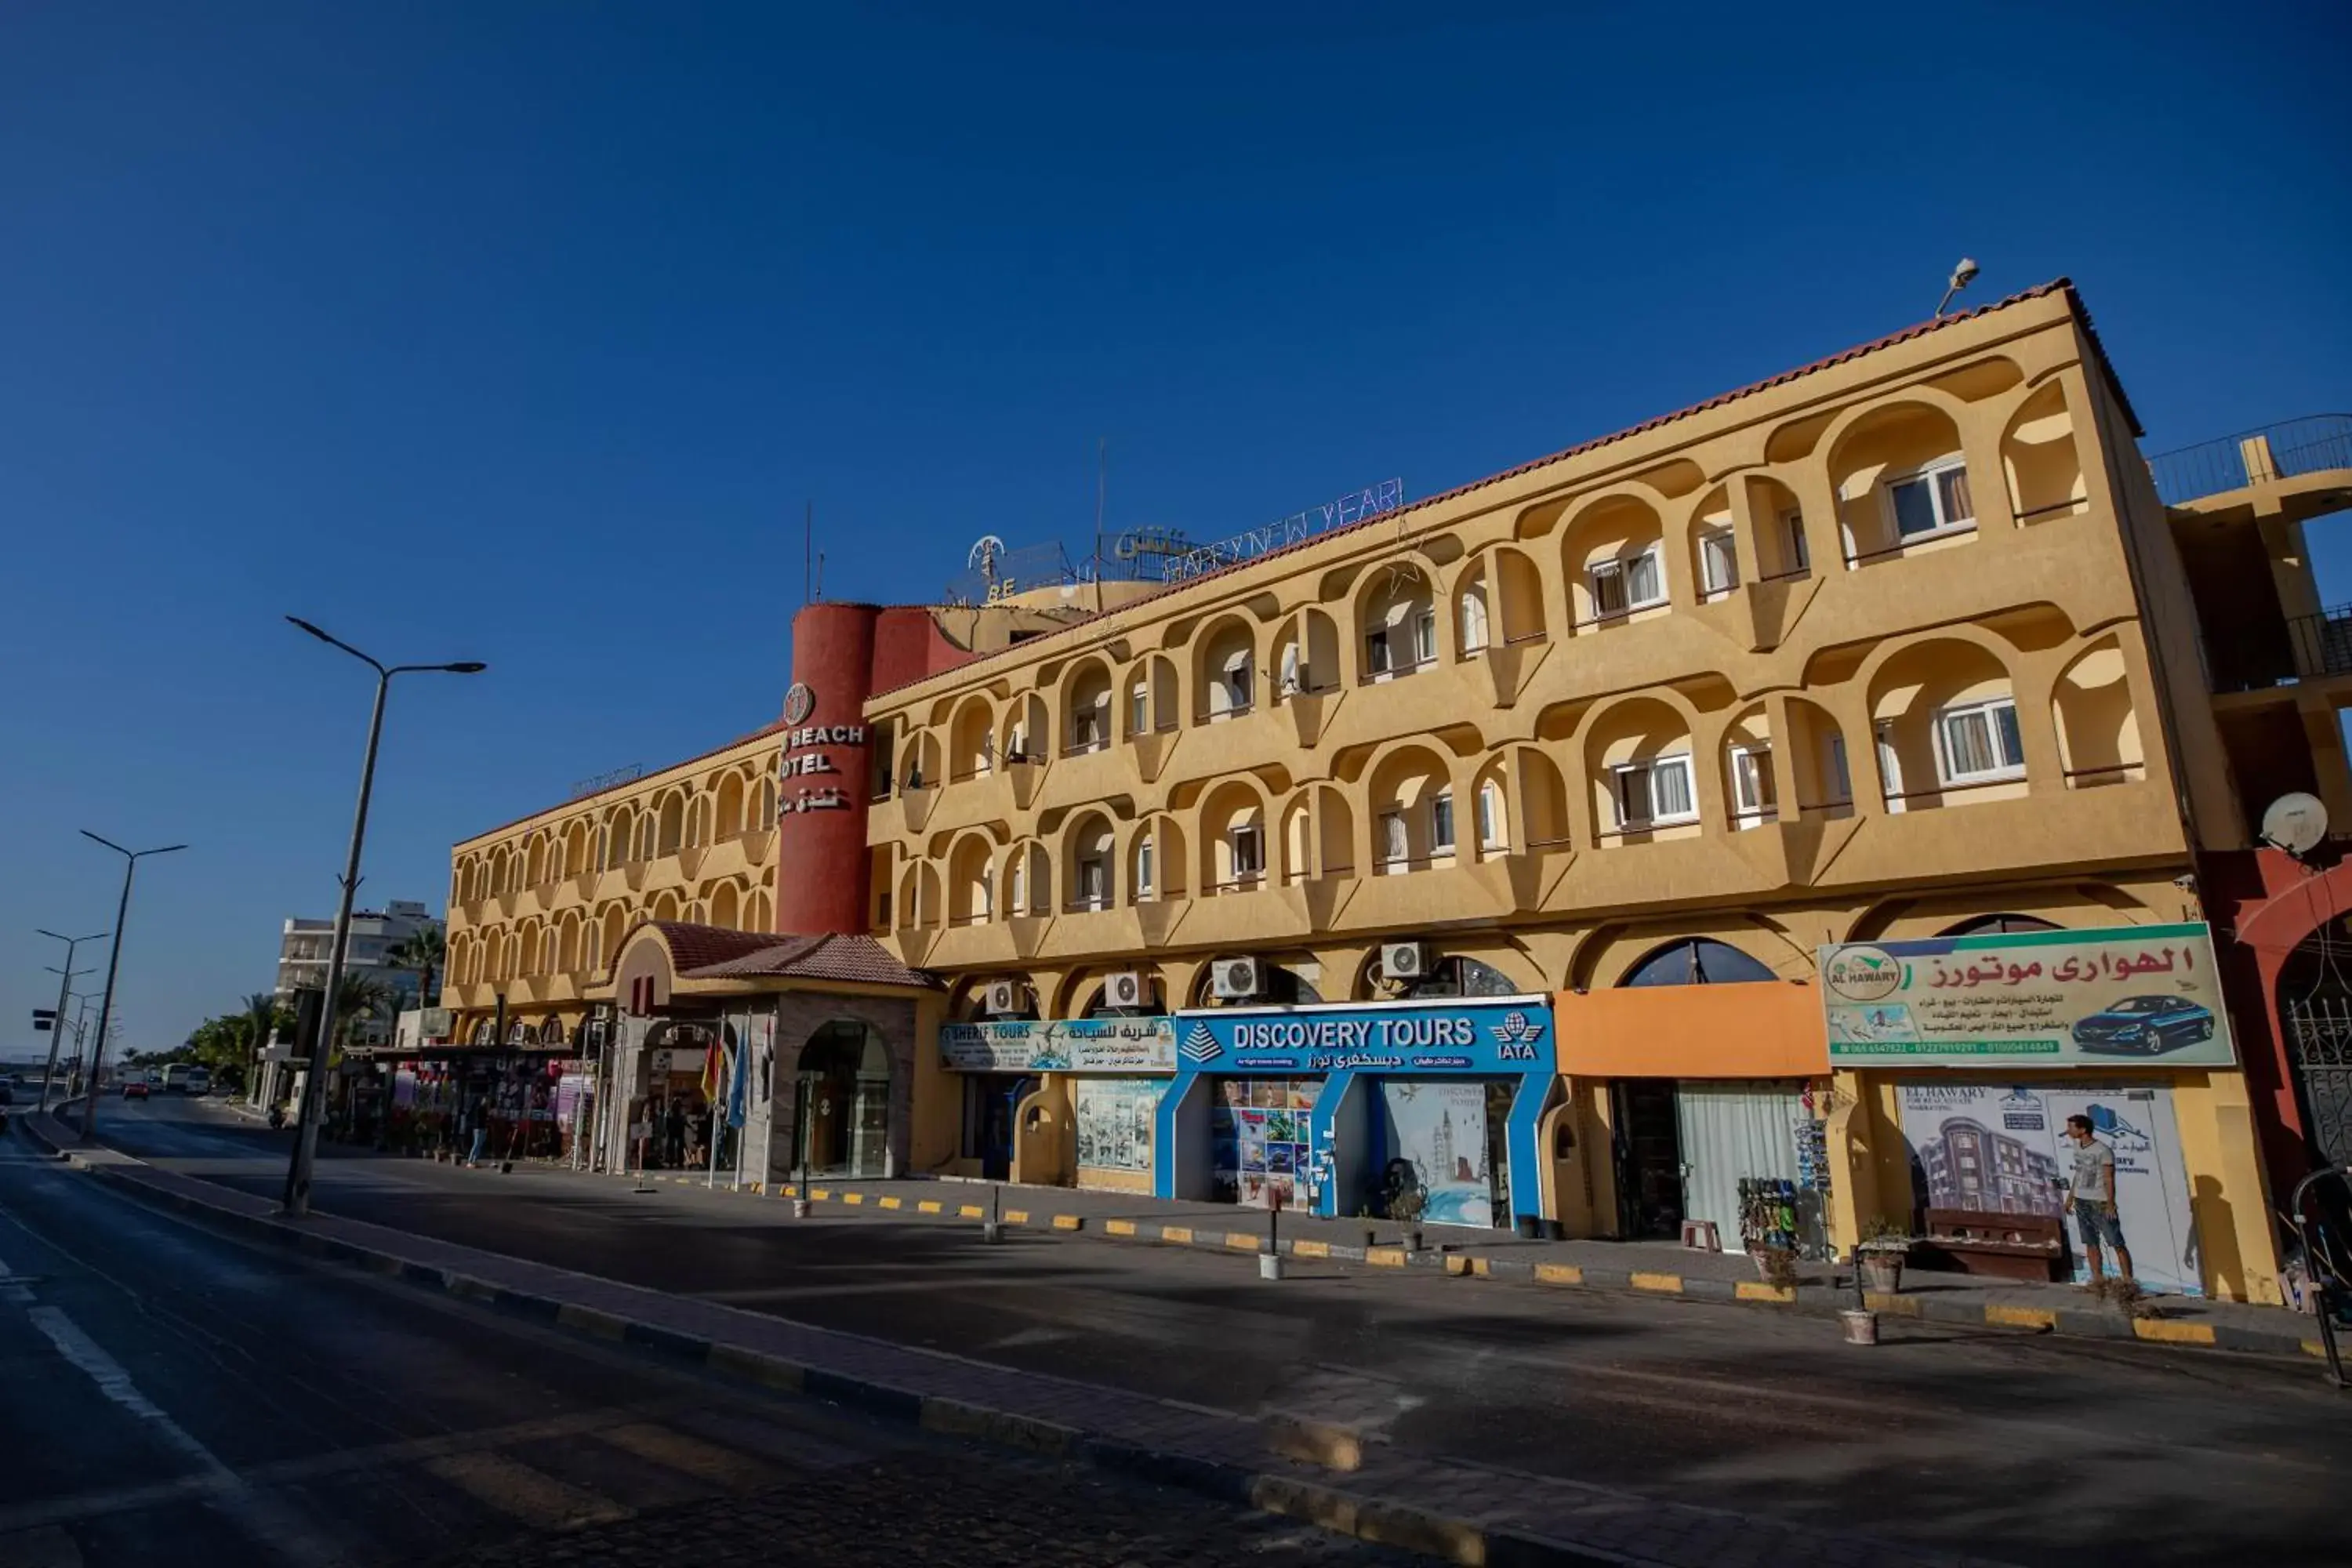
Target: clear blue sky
[[522, 332]]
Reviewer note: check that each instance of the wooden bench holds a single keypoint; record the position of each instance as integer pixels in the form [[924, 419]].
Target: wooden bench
[[2000, 1246]]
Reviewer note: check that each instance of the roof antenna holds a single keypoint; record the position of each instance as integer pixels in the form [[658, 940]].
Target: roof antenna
[[808, 549], [1962, 276], [819, 589], [1102, 482]]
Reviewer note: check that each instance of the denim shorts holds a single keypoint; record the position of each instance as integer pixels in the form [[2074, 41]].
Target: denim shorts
[[2097, 1225]]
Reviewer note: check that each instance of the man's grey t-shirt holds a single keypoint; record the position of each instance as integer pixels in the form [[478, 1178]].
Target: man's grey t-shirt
[[2094, 1172]]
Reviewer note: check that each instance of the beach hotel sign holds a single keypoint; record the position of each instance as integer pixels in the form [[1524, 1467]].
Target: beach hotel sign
[[2028, 999]]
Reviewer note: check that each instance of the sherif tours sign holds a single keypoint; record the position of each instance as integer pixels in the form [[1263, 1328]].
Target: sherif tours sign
[[2028, 999]]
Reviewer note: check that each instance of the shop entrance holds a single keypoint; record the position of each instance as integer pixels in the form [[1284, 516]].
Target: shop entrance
[[843, 1101], [992, 1104], [1260, 1150], [2314, 1000], [1649, 1159], [1445, 1154]]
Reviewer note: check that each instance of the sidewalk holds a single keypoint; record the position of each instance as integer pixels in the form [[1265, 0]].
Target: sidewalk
[[1655, 1269], [1453, 1510]]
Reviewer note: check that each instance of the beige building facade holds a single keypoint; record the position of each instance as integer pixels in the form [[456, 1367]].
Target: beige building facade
[[1904, 646]]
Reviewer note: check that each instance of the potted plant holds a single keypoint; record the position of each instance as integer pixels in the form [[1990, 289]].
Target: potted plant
[[1880, 1255]]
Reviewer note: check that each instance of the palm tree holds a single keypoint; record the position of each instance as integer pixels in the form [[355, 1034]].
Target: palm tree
[[422, 952], [358, 998]]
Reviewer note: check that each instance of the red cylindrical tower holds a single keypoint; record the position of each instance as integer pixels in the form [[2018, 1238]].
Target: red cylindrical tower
[[821, 797]]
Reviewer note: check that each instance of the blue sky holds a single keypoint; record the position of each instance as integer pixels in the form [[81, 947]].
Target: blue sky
[[523, 332]]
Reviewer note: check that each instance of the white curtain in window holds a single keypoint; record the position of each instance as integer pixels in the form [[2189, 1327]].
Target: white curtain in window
[[1642, 578]]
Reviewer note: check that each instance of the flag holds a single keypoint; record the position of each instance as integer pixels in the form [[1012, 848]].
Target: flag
[[738, 1087], [710, 1071]]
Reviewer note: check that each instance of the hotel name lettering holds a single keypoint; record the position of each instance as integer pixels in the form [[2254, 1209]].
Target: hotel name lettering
[[800, 760]]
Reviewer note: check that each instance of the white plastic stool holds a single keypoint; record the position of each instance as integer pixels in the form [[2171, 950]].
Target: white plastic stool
[[1699, 1234]]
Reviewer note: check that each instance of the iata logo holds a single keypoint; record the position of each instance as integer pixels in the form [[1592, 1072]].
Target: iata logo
[[798, 703], [1863, 974], [1516, 1036]]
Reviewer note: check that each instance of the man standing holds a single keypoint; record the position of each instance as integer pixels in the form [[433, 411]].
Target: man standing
[[2094, 1193]]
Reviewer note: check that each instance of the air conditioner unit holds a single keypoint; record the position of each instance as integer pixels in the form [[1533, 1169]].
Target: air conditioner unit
[[1125, 990], [1404, 960], [1004, 998], [1235, 979]]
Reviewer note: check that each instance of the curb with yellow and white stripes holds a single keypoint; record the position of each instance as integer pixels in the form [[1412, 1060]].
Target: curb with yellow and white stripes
[[2070, 1321]]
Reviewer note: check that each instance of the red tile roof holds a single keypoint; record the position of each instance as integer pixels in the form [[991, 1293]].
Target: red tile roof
[[849, 960], [2060, 285], [693, 947]]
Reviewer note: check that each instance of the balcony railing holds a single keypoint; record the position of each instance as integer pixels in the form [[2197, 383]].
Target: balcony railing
[[2293, 447], [2315, 646]]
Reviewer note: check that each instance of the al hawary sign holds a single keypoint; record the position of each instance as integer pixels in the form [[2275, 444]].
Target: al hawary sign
[[2028, 999]]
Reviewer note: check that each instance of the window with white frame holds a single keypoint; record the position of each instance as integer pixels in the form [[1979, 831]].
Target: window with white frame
[[1719, 563], [1654, 793], [1094, 882], [1474, 620], [1138, 721], [1752, 793], [1249, 847], [1424, 636], [1015, 886], [1492, 830], [1630, 583], [1143, 867], [1441, 823], [1792, 529], [1977, 740], [1378, 660], [1240, 670], [1931, 499], [1395, 845]]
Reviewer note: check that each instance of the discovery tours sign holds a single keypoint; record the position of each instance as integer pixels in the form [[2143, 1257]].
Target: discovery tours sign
[[1073, 1045], [1503, 1035], [2028, 999]]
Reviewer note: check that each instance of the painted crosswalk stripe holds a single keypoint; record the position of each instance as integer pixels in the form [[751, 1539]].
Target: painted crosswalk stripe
[[529, 1494], [705, 1461]]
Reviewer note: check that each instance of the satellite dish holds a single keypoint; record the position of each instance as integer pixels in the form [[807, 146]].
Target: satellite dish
[[2294, 823], [984, 555]]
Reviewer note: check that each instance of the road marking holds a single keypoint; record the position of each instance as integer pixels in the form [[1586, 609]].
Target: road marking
[[268, 1521], [929, 1205], [706, 1461], [103, 1370], [520, 1492]]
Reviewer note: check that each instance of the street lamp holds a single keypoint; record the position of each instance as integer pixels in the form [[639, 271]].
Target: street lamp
[[131, 859], [65, 990], [306, 1132]]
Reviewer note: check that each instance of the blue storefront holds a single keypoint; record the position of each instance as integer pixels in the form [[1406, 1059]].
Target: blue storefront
[[1411, 1111]]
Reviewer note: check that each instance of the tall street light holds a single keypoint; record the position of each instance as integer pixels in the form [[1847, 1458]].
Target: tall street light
[[131, 859], [306, 1132], [65, 990]]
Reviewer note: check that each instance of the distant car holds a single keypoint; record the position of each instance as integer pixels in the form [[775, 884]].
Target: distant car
[[199, 1081], [134, 1088], [2149, 1025]]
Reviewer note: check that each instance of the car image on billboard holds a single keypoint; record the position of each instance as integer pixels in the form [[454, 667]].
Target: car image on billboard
[[2149, 1025]]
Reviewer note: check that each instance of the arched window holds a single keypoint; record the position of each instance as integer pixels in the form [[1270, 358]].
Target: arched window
[[1459, 976], [1998, 925], [1695, 960]]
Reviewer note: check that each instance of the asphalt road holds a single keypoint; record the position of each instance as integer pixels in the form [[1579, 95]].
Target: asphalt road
[[2028, 1449], [169, 1396]]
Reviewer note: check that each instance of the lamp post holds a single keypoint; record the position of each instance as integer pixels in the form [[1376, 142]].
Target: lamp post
[[306, 1132], [131, 859], [65, 990]]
